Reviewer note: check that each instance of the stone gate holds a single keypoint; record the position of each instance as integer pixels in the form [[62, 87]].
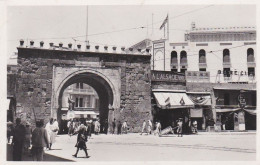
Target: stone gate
[[121, 80]]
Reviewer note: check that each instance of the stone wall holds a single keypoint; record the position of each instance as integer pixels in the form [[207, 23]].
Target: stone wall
[[35, 82]]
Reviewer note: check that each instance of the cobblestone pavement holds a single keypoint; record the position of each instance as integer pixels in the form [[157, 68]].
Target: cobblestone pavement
[[202, 147]]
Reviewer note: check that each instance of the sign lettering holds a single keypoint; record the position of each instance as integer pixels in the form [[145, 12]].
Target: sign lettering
[[167, 76]]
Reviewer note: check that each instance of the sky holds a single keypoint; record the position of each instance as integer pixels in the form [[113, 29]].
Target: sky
[[116, 25]]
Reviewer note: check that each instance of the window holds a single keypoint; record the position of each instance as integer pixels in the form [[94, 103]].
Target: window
[[226, 99], [79, 85], [88, 101], [226, 72], [174, 57], [226, 56], [251, 71], [79, 102], [250, 55], [183, 59], [174, 70], [203, 69], [183, 70], [202, 56], [253, 97]]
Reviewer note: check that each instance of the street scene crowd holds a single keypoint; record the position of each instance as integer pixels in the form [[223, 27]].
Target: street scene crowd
[[34, 142]]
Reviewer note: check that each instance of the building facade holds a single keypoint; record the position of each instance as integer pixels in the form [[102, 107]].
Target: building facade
[[220, 69]]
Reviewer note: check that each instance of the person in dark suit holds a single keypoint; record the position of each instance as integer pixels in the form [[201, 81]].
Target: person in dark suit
[[119, 126], [18, 140], [81, 140]]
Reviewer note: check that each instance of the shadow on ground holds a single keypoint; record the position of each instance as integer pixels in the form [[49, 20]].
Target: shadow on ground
[[26, 157]]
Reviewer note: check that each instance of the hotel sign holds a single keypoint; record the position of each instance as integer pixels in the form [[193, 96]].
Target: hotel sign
[[197, 76], [168, 76]]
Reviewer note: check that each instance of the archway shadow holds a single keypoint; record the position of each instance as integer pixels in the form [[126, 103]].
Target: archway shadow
[[26, 157]]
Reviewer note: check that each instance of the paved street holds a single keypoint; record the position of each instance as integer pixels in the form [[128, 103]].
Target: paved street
[[203, 147]]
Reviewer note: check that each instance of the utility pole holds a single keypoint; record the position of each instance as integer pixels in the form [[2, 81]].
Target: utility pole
[[87, 26]]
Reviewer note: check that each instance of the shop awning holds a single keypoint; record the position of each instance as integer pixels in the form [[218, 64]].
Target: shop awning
[[250, 111], [85, 113], [172, 100], [201, 99], [7, 104], [227, 109]]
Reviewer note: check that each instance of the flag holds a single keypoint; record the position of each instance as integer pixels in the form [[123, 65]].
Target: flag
[[164, 22], [182, 101], [167, 101]]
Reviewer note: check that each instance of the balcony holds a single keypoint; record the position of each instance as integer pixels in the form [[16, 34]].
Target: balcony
[[251, 64], [227, 64], [203, 65], [84, 108], [81, 91], [174, 65]]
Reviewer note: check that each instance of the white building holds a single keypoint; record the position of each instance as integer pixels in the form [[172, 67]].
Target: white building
[[86, 100], [227, 53]]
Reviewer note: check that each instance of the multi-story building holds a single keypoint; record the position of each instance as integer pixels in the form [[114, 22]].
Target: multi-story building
[[219, 63], [85, 98]]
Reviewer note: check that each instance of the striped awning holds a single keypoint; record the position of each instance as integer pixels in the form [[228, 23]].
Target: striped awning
[[172, 100]]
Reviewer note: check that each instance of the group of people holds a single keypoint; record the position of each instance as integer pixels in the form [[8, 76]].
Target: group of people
[[148, 127], [74, 124], [26, 138]]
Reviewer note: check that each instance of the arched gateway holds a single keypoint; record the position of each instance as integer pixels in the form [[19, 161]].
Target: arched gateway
[[119, 79]]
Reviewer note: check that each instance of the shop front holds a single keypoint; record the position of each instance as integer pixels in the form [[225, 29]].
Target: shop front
[[171, 105], [202, 112], [235, 108]]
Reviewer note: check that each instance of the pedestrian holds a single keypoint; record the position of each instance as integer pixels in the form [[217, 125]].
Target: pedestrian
[[9, 131], [179, 129], [51, 130], [149, 127], [124, 127], [113, 126], [105, 127], [18, 140], [143, 127], [70, 126], [195, 126], [97, 127], [157, 128], [28, 134], [39, 141], [89, 130], [119, 126], [81, 140], [76, 125], [56, 125]]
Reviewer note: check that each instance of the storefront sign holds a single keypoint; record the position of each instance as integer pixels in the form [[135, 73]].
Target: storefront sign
[[167, 76], [197, 76], [239, 73], [158, 45]]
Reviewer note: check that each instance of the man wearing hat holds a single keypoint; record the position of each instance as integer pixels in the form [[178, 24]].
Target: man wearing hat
[[179, 129], [18, 140]]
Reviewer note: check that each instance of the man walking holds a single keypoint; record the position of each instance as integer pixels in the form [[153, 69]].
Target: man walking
[[179, 130], [39, 141], [143, 127], [113, 126], [119, 128], [18, 140], [124, 127]]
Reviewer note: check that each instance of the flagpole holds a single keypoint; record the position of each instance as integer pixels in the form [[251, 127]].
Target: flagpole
[[168, 27]]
